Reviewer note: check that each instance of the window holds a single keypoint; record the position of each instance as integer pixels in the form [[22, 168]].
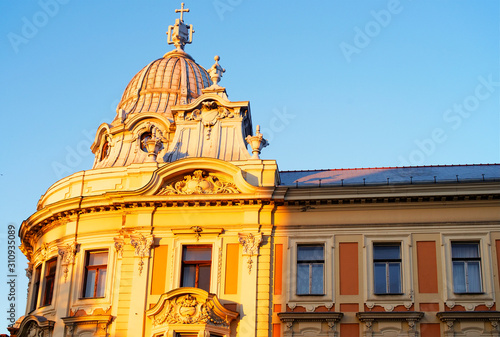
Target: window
[[36, 287], [466, 267], [50, 275], [310, 269], [196, 265], [95, 274], [387, 268]]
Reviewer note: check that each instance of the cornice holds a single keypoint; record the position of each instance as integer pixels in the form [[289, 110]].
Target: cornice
[[468, 315], [310, 316]]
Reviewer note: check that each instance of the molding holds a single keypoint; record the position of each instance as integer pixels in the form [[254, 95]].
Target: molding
[[390, 316], [310, 316], [445, 316]]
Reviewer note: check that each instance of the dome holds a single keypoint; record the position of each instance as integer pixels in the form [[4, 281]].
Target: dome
[[172, 80]]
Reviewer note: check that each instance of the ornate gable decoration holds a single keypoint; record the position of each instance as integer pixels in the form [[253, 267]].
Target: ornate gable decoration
[[190, 306], [200, 182]]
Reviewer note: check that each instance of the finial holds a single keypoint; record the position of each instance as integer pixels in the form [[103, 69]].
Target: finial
[[257, 143], [180, 34], [216, 71]]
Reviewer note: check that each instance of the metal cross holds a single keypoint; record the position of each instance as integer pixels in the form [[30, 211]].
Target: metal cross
[[182, 10]]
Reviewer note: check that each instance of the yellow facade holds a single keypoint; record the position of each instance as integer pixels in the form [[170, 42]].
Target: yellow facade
[[179, 231]]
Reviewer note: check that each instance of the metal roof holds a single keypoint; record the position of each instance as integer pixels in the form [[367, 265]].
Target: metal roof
[[392, 175]]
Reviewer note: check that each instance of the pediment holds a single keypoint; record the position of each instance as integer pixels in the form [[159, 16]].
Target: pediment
[[198, 177], [199, 182], [190, 306]]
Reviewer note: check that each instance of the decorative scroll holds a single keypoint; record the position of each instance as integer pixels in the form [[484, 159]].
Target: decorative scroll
[[251, 245], [142, 245], [193, 307], [199, 183]]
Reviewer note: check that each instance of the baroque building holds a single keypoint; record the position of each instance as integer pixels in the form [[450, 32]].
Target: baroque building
[[178, 230]]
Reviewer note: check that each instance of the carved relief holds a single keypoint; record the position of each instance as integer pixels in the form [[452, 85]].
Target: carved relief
[[44, 251], [68, 253], [142, 245], [189, 309], [200, 182], [119, 243], [251, 245]]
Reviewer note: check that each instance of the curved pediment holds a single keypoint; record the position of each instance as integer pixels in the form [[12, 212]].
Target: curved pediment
[[190, 306], [198, 176]]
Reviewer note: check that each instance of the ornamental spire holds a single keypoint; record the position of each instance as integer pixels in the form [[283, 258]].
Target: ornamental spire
[[180, 34]]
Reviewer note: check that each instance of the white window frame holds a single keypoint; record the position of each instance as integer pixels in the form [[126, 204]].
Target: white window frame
[[310, 302], [86, 303], [474, 299], [216, 244], [387, 300]]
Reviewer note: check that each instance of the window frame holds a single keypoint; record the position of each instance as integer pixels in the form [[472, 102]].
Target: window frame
[[310, 263], [468, 300], [35, 290], [329, 277], [49, 281], [388, 300], [387, 262], [97, 268], [465, 261], [197, 264]]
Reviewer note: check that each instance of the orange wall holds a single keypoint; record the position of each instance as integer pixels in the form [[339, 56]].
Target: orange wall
[[349, 329], [232, 258], [159, 270], [427, 267], [348, 252], [278, 269], [430, 329]]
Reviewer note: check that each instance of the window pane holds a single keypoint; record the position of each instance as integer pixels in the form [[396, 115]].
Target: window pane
[[101, 283], [385, 252], [204, 278], [474, 277], [97, 258], [317, 279], [310, 253], [51, 268], [188, 275], [464, 250], [191, 253], [302, 279], [380, 278], [395, 278], [459, 277], [90, 283]]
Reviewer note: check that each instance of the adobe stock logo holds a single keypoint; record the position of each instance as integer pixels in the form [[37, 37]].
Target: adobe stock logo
[[363, 37], [31, 27], [454, 118]]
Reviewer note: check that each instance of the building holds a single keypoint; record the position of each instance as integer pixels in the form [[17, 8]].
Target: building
[[178, 230]]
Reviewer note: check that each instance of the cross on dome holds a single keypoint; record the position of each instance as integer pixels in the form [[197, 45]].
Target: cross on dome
[[182, 10], [180, 34]]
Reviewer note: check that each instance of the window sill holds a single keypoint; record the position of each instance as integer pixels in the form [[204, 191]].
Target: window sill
[[309, 295]]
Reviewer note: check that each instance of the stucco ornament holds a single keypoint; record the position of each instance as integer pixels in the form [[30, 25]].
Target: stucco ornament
[[209, 114], [68, 254], [154, 143], [200, 182], [188, 310], [251, 244], [142, 245]]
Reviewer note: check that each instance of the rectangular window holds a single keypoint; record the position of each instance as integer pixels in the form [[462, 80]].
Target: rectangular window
[[196, 265], [310, 269], [36, 287], [50, 275], [466, 267], [387, 268], [96, 263]]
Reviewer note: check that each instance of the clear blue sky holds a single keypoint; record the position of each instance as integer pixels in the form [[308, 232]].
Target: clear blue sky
[[333, 84]]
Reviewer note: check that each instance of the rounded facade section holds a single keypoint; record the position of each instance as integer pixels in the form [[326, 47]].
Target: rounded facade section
[[172, 80]]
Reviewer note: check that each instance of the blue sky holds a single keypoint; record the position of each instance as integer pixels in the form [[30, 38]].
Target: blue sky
[[333, 84]]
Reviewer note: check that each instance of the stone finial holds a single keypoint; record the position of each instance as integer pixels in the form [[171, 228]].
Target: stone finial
[[257, 143], [180, 34], [216, 71]]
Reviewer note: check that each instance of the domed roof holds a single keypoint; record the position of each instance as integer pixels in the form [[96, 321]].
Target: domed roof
[[172, 80]]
